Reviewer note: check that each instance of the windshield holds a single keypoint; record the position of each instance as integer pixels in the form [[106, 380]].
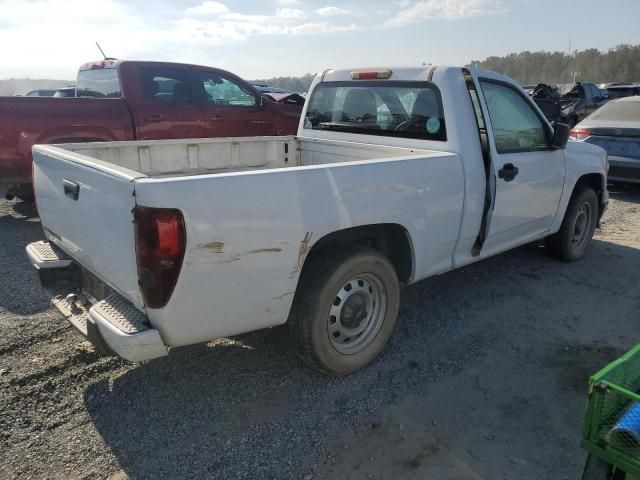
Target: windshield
[[625, 111], [102, 82], [394, 109]]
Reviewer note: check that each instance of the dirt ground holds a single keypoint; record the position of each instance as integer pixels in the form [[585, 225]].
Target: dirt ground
[[485, 378]]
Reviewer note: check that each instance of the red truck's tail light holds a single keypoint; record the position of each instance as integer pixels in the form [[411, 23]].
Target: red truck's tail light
[[579, 133], [160, 246]]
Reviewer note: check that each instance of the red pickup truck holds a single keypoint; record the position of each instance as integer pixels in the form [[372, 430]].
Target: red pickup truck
[[126, 100]]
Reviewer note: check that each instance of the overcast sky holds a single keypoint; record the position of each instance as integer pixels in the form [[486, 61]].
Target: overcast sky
[[264, 38]]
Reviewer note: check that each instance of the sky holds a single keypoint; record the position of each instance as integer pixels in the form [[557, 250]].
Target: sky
[[265, 38]]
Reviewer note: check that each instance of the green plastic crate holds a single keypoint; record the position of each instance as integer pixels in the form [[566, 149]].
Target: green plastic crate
[[614, 401]]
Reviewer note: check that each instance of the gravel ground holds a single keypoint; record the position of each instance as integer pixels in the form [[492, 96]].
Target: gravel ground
[[485, 378]]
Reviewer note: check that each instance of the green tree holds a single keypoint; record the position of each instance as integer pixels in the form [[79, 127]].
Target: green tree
[[619, 64]]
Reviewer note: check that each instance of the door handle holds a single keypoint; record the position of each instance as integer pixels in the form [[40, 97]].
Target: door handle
[[156, 117], [71, 189], [215, 118], [508, 172]]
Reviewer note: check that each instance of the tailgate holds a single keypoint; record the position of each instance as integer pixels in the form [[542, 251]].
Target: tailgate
[[85, 206]]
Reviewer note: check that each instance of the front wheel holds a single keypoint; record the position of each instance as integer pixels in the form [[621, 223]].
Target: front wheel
[[345, 309], [578, 226]]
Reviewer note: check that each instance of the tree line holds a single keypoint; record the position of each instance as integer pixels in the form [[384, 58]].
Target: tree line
[[619, 64]]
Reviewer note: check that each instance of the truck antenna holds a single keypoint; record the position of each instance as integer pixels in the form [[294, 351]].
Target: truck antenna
[[105, 57], [98, 45]]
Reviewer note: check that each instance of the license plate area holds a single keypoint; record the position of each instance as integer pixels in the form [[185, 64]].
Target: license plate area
[[93, 285]]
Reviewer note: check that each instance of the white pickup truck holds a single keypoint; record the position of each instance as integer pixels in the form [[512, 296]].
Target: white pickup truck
[[395, 175]]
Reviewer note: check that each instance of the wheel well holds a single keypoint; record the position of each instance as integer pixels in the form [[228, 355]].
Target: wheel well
[[593, 181], [390, 239]]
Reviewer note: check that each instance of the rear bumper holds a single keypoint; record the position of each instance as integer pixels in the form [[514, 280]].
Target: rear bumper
[[624, 169], [113, 325]]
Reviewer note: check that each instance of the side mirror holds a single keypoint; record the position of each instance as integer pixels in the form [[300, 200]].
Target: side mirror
[[560, 136], [597, 99]]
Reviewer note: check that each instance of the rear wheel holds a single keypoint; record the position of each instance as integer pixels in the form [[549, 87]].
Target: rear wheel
[[345, 309], [578, 226]]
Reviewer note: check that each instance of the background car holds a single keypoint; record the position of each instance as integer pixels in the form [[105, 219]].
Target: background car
[[267, 89], [616, 128], [619, 91], [65, 92], [39, 92]]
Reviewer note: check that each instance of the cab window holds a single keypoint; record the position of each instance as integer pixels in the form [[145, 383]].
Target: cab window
[[221, 90], [516, 126], [166, 85]]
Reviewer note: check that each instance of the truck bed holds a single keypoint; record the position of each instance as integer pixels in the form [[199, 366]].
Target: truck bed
[[176, 158]]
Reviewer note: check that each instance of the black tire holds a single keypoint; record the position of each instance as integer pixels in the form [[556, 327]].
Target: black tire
[[563, 245], [325, 277]]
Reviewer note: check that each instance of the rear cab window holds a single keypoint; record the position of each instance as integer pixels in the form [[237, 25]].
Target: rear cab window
[[384, 108], [99, 83]]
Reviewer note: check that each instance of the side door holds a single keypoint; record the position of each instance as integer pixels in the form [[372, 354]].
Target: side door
[[232, 108], [530, 174], [165, 105]]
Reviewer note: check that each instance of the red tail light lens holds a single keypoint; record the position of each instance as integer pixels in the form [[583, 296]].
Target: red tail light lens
[[160, 246], [579, 133], [371, 74]]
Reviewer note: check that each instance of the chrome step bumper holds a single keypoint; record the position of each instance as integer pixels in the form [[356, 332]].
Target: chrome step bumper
[[43, 254], [113, 325]]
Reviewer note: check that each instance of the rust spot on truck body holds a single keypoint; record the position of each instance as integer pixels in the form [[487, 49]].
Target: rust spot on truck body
[[266, 250], [303, 250], [214, 246]]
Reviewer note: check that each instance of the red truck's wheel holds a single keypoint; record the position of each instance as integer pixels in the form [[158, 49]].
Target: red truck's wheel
[[345, 309]]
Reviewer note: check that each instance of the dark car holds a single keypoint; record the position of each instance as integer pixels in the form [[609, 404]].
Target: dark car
[[40, 92], [620, 91], [616, 128], [267, 89], [579, 102], [547, 97]]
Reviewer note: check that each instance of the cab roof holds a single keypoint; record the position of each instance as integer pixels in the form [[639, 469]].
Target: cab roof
[[421, 73]]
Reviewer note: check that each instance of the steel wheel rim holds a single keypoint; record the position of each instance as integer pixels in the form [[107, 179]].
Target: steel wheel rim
[[357, 314], [581, 226]]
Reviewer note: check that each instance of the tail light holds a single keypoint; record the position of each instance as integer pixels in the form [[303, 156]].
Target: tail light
[[579, 133], [160, 246]]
